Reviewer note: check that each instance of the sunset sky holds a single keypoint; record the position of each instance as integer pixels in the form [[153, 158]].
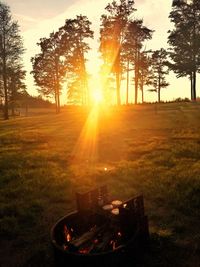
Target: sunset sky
[[38, 18]]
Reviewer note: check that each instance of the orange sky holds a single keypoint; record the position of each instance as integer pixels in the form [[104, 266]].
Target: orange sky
[[38, 18]]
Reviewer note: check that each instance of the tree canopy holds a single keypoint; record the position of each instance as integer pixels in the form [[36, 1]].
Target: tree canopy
[[184, 40], [62, 60], [11, 51]]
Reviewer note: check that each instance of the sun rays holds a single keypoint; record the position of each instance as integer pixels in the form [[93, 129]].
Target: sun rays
[[86, 148]]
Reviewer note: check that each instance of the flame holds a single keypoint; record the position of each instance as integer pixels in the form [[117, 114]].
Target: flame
[[67, 234], [68, 237]]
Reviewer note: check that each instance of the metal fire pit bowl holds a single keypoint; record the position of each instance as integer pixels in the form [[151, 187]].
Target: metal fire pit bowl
[[79, 222], [133, 227]]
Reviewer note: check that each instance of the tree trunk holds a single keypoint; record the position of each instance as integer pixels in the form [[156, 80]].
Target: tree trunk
[[58, 96], [56, 101], [127, 84], [159, 88], [159, 95], [194, 54], [136, 77], [6, 116], [191, 80], [194, 86], [118, 88], [57, 86], [142, 87]]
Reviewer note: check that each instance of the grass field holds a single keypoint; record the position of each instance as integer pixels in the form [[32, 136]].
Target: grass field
[[45, 158]]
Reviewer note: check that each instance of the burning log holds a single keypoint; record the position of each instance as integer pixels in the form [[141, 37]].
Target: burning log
[[104, 228], [78, 243]]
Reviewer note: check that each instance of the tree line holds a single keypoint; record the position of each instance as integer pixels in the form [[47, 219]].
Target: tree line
[[125, 60]]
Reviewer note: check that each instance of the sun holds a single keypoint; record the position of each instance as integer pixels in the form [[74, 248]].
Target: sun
[[97, 97]]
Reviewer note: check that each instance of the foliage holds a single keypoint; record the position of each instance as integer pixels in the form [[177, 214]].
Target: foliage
[[112, 36], [61, 57], [159, 70], [77, 76], [11, 50], [144, 71], [137, 34], [49, 67], [185, 40]]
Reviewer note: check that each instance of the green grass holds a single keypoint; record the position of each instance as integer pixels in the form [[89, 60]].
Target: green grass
[[42, 165]]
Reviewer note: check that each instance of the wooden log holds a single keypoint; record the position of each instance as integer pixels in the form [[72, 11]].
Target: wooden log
[[86, 237], [102, 245]]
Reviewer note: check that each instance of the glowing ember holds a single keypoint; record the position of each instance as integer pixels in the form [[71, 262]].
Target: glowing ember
[[105, 169], [67, 234], [119, 234], [65, 247], [84, 250]]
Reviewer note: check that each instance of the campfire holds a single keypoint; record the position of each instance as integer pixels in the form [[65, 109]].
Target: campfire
[[99, 229]]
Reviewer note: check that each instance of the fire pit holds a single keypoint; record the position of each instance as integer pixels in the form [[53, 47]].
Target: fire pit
[[100, 232]]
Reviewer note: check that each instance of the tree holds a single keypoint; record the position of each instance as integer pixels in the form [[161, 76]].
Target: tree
[[112, 36], [11, 50], [144, 71], [16, 85], [77, 76], [61, 57], [48, 68], [136, 35], [185, 40], [158, 71]]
